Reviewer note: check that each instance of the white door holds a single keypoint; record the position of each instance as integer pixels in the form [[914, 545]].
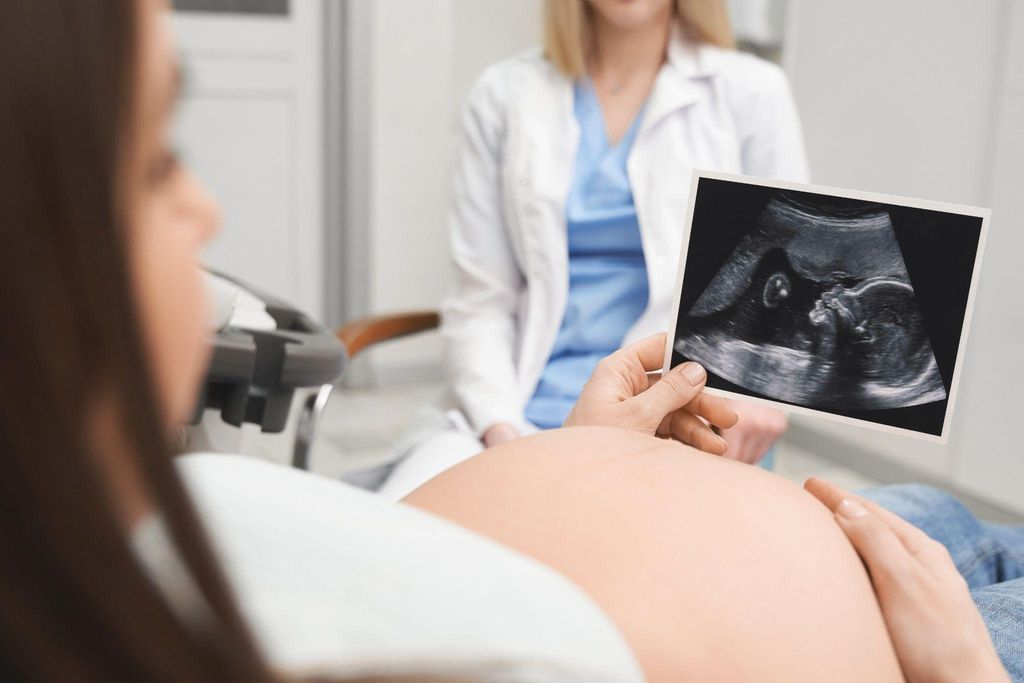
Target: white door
[[251, 127]]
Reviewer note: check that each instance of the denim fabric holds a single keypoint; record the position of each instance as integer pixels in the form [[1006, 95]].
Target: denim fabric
[[989, 556]]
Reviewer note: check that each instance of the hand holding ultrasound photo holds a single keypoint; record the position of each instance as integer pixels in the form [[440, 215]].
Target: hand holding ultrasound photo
[[838, 303]]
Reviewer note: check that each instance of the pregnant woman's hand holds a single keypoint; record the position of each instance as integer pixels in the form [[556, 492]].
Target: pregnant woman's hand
[[621, 393], [935, 628]]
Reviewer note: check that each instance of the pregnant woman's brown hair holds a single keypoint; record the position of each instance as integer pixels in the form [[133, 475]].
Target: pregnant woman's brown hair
[[76, 605]]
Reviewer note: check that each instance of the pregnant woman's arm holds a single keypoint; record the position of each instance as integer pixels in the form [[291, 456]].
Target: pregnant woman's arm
[[712, 570], [938, 633]]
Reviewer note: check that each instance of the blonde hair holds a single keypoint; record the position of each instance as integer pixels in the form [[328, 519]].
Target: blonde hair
[[567, 29]]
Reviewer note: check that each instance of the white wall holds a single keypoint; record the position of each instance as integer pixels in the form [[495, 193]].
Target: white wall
[[423, 58], [989, 455], [926, 98]]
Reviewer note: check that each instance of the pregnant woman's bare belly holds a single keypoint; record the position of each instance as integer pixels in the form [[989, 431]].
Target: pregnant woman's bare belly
[[713, 571]]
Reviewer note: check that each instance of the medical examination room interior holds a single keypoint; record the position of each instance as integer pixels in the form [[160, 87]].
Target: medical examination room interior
[[431, 233], [328, 130]]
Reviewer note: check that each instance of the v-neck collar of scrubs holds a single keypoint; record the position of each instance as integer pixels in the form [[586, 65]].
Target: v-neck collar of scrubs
[[588, 104], [608, 288]]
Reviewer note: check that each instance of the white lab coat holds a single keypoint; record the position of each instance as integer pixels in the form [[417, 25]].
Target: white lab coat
[[710, 109]]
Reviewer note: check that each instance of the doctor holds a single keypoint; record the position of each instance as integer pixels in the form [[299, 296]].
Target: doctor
[[571, 188]]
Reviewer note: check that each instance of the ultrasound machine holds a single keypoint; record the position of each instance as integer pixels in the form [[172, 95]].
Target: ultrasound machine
[[271, 372]]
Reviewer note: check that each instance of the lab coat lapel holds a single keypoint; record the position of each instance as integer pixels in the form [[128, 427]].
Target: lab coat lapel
[[542, 157], [673, 87], [545, 153], [655, 190]]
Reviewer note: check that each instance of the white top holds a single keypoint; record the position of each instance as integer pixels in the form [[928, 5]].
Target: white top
[[340, 582], [710, 109]]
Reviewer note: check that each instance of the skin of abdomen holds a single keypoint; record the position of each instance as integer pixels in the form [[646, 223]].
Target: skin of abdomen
[[712, 570]]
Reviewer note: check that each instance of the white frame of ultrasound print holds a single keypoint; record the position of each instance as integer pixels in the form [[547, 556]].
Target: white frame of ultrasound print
[[983, 214]]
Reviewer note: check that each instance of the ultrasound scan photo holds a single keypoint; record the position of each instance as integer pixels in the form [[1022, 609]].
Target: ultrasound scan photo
[[844, 305]]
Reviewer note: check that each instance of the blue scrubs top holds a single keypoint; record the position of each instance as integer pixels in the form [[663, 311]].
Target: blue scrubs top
[[607, 273]]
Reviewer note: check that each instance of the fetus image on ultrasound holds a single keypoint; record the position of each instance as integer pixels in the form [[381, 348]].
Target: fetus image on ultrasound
[[815, 307]]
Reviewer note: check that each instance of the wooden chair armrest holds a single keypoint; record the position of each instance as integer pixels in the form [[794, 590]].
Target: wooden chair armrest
[[360, 334]]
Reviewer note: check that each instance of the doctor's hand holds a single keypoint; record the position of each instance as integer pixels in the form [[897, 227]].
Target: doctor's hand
[[935, 628], [620, 393], [499, 433], [757, 430]]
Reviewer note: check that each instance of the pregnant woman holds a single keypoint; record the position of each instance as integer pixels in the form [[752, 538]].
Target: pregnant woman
[[598, 553], [570, 200]]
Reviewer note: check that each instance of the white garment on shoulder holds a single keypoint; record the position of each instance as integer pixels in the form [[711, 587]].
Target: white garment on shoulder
[[336, 581]]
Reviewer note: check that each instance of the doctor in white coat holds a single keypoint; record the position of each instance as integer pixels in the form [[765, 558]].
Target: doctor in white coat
[[571, 188]]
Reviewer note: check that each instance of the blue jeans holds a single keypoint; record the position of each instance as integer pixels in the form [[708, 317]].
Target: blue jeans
[[989, 556]]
